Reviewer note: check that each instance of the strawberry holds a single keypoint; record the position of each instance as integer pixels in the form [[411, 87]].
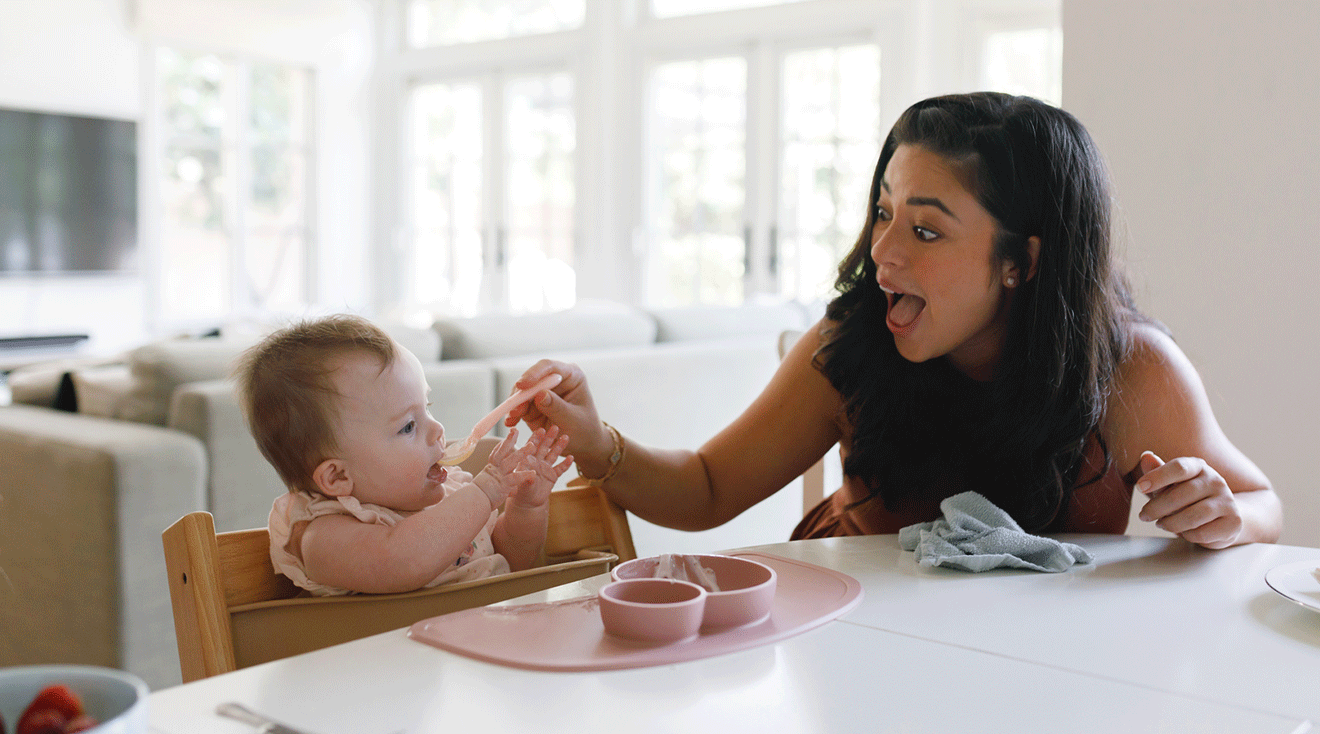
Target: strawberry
[[81, 722], [59, 698], [41, 721], [49, 711]]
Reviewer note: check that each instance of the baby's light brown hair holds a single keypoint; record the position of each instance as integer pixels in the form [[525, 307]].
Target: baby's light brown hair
[[288, 397]]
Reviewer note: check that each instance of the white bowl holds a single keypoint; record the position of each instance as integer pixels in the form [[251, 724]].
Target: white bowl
[[116, 699]]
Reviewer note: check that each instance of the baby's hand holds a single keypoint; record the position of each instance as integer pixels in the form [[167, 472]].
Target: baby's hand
[[547, 446], [528, 472], [499, 478]]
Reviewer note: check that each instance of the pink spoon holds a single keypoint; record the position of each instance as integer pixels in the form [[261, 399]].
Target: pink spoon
[[455, 454]]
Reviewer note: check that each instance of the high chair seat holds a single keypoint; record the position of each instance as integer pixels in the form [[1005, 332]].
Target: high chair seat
[[232, 610]]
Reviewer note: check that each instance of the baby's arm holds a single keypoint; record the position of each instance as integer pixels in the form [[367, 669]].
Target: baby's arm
[[519, 534], [339, 550]]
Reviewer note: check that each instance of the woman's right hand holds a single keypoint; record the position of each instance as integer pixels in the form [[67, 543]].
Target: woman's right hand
[[569, 406]]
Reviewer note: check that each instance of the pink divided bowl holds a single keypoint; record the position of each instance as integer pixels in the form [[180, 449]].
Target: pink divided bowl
[[651, 609], [747, 588]]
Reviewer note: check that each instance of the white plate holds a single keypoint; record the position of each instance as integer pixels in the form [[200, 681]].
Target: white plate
[[1297, 582]]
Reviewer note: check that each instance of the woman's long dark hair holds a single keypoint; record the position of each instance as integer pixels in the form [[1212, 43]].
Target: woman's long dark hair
[[1020, 438]]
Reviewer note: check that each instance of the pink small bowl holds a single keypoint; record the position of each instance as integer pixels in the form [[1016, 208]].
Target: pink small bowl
[[653, 610], [746, 595]]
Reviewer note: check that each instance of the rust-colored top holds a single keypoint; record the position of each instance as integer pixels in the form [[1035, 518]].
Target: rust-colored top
[[1099, 507]]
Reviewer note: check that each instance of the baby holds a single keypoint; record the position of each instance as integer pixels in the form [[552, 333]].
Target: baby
[[341, 411]]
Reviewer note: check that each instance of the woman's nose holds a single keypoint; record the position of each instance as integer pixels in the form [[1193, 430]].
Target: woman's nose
[[886, 249]]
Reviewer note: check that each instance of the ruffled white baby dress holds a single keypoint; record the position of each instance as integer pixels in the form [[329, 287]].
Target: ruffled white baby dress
[[479, 560]]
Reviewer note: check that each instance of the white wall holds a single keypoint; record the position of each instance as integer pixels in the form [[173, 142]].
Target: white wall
[[1209, 115], [72, 56], [88, 56]]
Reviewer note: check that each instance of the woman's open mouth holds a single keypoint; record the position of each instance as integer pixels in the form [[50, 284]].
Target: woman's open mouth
[[905, 310]]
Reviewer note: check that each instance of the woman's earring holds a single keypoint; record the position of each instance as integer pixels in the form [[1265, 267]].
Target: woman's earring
[[1010, 281]]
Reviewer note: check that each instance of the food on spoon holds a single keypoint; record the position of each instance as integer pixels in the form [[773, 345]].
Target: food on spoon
[[456, 454]]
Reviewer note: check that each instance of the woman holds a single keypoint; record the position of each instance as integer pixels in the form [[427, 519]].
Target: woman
[[981, 339]]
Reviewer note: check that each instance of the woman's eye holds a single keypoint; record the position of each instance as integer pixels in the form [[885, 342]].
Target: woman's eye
[[881, 215], [923, 234], [408, 429]]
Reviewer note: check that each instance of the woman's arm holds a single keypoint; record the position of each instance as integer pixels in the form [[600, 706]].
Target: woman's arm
[[791, 424], [1203, 488]]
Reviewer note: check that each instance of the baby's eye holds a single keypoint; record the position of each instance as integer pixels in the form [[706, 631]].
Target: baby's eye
[[925, 235], [409, 428]]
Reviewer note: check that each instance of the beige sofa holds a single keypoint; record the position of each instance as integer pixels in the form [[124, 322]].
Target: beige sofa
[[85, 495]]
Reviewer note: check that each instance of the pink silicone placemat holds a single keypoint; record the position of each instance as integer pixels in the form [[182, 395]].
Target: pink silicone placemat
[[568, 635]]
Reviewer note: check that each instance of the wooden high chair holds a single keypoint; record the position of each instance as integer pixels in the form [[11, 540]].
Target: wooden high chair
[[232, 610]]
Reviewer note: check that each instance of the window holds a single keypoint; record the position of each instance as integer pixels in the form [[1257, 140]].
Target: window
[[441, 22], [831, 138], [233, 187], [668, 152], [672, 8], [492, 206], [697, 167]]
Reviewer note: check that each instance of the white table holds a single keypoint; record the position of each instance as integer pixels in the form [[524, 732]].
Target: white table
[[1156, 636]]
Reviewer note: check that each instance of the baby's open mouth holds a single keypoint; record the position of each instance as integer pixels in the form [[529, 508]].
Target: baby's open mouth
[[437, 474], [904, 308]]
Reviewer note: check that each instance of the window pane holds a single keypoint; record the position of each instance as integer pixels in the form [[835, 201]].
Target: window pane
[[279, 100], [541, 192], [670, 8], [1027, 61], [439, 22], [275, 263], [195, 242], [697, 164], [446, 196], [193, 89], [279, 189], [831, 124]]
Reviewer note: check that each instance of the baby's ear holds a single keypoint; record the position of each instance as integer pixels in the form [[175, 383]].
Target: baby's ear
[[331, 477]]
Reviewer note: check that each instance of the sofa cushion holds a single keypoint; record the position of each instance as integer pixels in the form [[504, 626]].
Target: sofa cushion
[[724, 322], [159, 368], [40, 384], [98, 391], [589, 325]]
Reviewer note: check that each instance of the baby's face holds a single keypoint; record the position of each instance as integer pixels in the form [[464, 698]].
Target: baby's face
[[387, 437]]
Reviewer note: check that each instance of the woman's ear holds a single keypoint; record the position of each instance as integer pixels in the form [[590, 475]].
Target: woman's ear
[[331, 477], [1033, 252], [1012, 275]]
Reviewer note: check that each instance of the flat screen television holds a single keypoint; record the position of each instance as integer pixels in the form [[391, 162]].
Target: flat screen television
[[68, 194]]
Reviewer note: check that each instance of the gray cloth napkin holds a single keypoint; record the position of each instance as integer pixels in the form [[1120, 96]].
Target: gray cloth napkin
[[974, 535]]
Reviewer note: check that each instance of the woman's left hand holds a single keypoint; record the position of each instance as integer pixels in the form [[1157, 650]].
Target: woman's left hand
[[1190, 499]]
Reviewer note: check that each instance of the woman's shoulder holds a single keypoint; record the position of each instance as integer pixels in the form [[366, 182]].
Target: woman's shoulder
[[1151, 359], [1155, 385]]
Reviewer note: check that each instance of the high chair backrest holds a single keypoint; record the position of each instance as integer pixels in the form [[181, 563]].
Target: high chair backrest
[[813, 479], [232, 610]]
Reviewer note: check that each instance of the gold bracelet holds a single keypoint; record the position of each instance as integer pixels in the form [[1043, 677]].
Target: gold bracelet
[[616, 458]]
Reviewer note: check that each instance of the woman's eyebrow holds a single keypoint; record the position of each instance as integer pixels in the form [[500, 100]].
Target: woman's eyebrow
[[931, 201], [923, 201]]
